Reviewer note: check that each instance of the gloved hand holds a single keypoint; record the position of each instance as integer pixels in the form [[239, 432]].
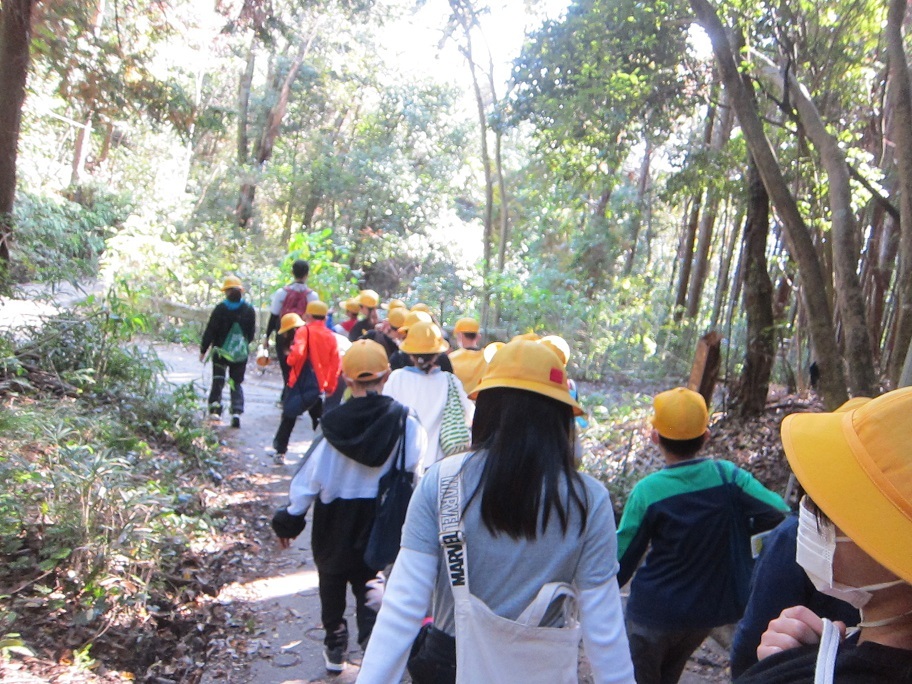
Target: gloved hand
[[286, 525], [375, 589]]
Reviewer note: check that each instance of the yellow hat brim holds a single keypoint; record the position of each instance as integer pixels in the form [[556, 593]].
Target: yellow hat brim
[[284, 330], [416, 349], [829, 461], [560, 394]]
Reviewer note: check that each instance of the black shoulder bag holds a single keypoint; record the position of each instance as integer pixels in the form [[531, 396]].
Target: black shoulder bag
[[394, 492]]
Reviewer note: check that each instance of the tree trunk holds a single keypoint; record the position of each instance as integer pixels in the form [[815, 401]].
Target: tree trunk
[[637, 220], [758, 300], [901, 90], [801, 246], [243, 141], [488, 220], [859, 354], [725, 271], [15, 35], [271, 129], [721, 131], [685, 257]]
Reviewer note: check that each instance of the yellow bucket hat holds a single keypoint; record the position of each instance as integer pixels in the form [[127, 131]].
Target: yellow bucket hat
[[317, 308], [396, 317], [856, 465], [393, 304], [527, 365], [466, 325], [680, 414], [424, 337], [413, 317], [232, 283], [365, 360], [421, 306], [289, 321], [369, 298], [350, 305]]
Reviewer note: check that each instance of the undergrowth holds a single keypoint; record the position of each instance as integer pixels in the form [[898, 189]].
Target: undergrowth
[[102, 466]]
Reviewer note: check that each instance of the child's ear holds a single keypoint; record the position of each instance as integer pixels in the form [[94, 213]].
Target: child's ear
[[654, 436]]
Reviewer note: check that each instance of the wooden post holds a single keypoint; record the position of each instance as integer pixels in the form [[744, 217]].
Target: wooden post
[[705, 368]]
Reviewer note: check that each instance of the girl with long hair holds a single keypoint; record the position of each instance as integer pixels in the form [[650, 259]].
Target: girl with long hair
[[528, 519]]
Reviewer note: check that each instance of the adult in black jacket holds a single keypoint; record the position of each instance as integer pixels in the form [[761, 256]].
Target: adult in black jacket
[[232, 310]]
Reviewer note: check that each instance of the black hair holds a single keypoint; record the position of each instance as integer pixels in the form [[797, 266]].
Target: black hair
[[470, 335], [529, 439], [318, 318], [682, 448], [424, 362], [373, 383], [300, 269], [233, 294]]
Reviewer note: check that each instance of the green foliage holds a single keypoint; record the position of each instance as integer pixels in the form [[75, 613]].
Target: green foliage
[[59, 240], [105, 489]]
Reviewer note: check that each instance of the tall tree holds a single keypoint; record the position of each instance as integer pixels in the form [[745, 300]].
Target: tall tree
[[801, 245], [901, 88], [758, 300], [15, 34]]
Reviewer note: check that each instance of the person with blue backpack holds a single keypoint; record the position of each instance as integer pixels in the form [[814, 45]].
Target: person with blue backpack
[[228, 334]]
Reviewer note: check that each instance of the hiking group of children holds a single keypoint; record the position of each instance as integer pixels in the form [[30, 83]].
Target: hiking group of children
[[510, 557]]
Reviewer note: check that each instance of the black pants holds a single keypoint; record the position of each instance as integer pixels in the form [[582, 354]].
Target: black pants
[[282, 347], [286, 427], [659, 656], [235, 373], [333, 588]]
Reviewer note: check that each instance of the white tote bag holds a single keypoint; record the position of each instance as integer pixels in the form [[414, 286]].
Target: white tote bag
[[490, 648]]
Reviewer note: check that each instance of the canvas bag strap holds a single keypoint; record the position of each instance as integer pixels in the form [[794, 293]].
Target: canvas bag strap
[[452, 530], [826, 654], [400, 457], [550, 592]]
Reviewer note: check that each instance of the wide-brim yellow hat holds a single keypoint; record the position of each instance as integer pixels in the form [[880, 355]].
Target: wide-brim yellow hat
[[466, 325], [424, 337], [527, 365], [413, 317], [289, 321], [421, 306], [317, 308], [350, 305], [856, 465], [393, 304], [369, 299], [396, 317], [232, 283]]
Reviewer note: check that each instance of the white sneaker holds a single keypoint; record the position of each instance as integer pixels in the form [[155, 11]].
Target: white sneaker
[[279, 459], [215, 418]]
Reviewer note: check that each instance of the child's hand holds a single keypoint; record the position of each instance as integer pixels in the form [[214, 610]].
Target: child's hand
[[284, 543], [795, 626], [375, 589]]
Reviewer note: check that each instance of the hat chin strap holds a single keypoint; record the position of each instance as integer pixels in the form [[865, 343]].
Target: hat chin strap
[[884, 622]]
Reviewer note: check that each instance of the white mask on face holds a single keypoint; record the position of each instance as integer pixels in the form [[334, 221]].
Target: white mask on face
[[816, 549]]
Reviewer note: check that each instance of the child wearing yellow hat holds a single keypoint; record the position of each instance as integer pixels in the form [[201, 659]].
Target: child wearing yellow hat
[[693, 520], [360, 440], [228, 334], [854, 531]]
